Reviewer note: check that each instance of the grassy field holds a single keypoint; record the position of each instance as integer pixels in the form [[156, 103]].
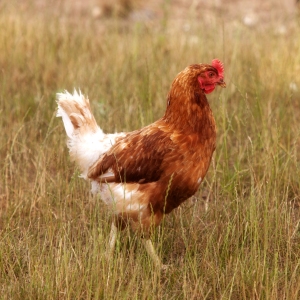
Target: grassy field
[[239, 238]]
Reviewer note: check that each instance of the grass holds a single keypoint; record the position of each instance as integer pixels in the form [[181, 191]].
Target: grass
[[237, 239]]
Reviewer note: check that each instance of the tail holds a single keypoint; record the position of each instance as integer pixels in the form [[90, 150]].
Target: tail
[[86, 141]]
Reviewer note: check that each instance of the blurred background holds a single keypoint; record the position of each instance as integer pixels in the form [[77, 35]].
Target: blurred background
[[250, 13]]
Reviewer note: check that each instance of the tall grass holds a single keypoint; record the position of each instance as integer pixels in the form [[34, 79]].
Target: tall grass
[[237, 239]]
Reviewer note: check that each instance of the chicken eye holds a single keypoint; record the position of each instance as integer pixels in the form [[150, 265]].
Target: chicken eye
[[211, 74]]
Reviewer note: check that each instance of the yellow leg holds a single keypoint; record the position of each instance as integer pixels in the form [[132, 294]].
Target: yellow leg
[[152, 253], [112, 241]]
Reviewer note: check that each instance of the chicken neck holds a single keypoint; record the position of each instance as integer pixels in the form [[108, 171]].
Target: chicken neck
[[188, 111]]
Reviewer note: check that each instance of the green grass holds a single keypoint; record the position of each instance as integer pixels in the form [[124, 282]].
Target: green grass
[[239, 242]]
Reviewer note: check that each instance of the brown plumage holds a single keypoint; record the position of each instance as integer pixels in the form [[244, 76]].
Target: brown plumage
[[145, 174]]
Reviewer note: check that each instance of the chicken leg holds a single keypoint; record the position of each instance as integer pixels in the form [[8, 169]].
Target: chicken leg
[[152, 253], [112, 241], [147, 244]]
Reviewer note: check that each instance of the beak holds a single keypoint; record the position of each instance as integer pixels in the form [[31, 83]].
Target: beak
[[221, 83]]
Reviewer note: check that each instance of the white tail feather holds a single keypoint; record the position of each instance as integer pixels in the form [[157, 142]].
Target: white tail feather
[[86, 141]]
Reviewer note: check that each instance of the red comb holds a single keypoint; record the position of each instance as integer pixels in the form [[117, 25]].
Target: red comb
[[217, 64]]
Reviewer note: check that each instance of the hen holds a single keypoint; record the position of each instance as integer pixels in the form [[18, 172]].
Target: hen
[[144, 174]]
